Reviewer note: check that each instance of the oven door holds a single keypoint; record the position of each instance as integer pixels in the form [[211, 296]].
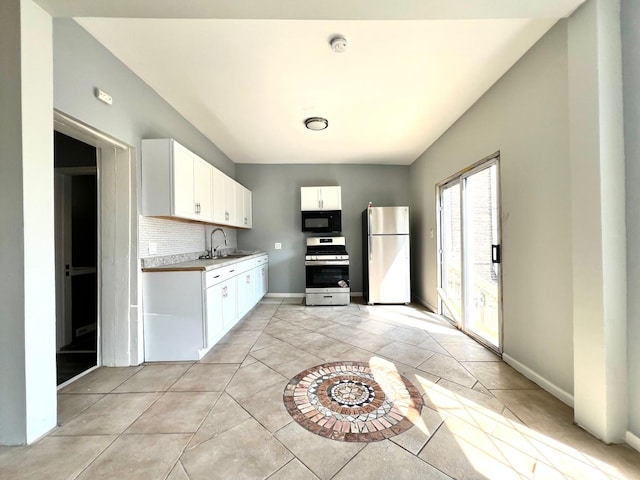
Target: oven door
[[327, 274]]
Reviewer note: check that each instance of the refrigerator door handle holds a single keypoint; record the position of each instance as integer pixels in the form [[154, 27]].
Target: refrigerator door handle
[[369, 234]]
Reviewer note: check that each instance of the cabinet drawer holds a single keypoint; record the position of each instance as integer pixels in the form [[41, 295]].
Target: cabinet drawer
[[245, 265], [212, 277]]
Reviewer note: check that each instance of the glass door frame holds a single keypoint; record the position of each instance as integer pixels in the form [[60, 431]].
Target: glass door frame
[[459, 178]]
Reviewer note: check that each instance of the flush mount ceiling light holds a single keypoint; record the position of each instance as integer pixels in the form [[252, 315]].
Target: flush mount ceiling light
[[316, 123]]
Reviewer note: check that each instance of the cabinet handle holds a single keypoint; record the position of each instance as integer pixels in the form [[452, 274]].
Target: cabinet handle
[[217, 276]]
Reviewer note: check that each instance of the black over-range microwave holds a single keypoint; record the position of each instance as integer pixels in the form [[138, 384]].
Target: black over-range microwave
[[322, 221]]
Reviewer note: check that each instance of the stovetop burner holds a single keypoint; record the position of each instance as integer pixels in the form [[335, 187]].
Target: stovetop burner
[[326, 248]]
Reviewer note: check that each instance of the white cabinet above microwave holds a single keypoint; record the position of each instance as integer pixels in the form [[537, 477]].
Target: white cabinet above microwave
[[320, 198]]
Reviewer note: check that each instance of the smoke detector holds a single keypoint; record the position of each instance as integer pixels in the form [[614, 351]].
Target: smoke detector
[[338, 43]]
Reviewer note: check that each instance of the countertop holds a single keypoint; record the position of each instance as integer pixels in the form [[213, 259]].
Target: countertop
[[205, 264]]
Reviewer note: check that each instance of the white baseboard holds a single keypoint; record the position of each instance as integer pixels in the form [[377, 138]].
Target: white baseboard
[[284, 295], [426, 304], [632, 440], [288, 295], [535, 377]]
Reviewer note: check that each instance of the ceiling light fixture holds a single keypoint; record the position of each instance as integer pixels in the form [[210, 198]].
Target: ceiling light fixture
[[316, 123]]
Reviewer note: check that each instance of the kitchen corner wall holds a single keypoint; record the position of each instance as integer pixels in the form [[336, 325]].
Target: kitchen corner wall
[[276, 212]]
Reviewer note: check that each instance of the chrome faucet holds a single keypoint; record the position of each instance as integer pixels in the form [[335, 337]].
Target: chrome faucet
[[226, 241]]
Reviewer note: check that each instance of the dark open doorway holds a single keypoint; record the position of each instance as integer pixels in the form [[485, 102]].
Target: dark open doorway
[[76, 223]]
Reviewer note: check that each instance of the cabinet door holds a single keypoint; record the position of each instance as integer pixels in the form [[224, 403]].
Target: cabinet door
[[238, 211], [261, 282], [183, 204], [229, 200], [202, 172], [245, 292], [265, 280], [214, 316], [218, 196], [330, 198], [229, 303], [309, 198], [247, 209]]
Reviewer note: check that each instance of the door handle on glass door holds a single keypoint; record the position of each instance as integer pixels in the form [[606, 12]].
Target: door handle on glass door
[[495, 254]]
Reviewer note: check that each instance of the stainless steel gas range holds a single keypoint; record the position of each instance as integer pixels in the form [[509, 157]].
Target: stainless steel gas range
[[327, 271]]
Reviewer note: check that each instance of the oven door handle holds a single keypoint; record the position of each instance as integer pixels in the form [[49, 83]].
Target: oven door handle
[[322, 263]]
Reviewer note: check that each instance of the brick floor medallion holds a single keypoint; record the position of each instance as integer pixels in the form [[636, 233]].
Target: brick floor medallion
[[352, 402]]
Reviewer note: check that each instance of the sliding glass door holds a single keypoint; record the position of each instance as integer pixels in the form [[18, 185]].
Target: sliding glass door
[[470, 254]]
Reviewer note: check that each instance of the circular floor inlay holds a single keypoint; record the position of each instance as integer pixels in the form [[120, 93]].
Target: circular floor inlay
[[353, 401]]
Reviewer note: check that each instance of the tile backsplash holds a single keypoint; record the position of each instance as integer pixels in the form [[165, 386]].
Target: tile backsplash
[[173, 237]]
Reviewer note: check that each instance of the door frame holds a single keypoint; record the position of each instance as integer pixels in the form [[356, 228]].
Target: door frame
[[119, 316], [62, 185], [459, 177]]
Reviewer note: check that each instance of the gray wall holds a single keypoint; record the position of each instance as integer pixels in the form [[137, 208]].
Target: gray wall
[[524, 116], [276, 212], [631, 73], [82, 64]]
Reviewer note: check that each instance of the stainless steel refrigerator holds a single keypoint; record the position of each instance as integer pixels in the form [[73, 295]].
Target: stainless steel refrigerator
[[385, 249]]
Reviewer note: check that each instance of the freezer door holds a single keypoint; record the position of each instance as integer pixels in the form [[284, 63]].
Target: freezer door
[[389, 220], [389, 274]]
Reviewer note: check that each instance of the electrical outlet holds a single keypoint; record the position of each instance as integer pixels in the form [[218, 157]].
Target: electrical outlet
[[278, 246], [153, 248]]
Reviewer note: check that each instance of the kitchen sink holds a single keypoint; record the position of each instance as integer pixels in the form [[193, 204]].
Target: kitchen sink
[[227, 256]]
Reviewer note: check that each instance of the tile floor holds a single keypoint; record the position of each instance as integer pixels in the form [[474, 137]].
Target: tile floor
[[224, 418]]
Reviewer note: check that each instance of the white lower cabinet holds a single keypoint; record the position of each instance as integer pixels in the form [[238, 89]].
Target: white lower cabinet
[[188, 312], [245, 292], [173, 314]]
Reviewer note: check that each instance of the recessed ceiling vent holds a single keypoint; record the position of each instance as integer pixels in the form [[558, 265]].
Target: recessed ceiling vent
[[338, 44]]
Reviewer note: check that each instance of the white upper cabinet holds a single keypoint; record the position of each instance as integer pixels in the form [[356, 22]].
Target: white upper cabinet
[[224, 199], [175, 181], [238, 219], [202, 194], [243, 206], [219, 204], [320, 198], [178, 183], [247, 218], [182, 188]]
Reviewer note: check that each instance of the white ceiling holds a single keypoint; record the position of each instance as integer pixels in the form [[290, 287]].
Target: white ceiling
[[247, 76]]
